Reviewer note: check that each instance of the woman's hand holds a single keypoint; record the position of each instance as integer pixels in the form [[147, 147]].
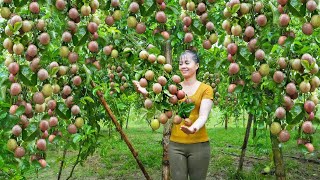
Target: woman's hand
[[140, 89], [188, 130]]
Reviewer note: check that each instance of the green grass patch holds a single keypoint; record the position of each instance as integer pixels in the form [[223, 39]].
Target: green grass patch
[[113, 160]]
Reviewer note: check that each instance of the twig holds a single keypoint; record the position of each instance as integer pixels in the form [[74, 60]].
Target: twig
[[218, 123], [245, 142], [315, 161], [237, 155], [62, 162], [128, 116], [76, 163]]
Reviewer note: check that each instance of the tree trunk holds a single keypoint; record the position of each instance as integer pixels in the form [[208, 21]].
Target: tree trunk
[[254, 133], [167, 52], [165, 157], [225, 121], [245, 143], [62, 162], [243, 119], [167, 126], [278, 158]]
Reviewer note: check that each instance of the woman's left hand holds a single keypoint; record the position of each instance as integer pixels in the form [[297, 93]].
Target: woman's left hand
[[188, 130]]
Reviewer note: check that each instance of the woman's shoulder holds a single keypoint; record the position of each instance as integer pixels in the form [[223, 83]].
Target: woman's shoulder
[[205, 86], [206, 91]]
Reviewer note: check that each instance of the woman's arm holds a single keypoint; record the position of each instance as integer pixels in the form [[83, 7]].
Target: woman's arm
[[205, 108], [140, 89]]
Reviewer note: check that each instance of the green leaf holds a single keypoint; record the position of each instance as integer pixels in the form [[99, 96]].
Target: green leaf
[[289, 41], [84, 39], [32, 136], [244, 61], [303, 9], [235, 8], [166, 105], [12, 118], [275, 13], [76, 138], [97, 88], [74, 146], [75, 40], [261, 125], [10, 27], [87, 98], [185, 109], [288, 117], [68, 113], [150, 10], [268, 109], [294, 11], [20, 111], [88, 74], [154, 50], [203, 30], [172, 10], [61, 114], [238, 89], [297, 119], [195, 29], [305, 64], [107, 5], [117, 89], [3, 92], [274, 48], [142, 10], [121, 106], [17, 26], [297, 108], [303, 148], [20, 3], [166, 92], [34, 79], [290, 127], [180, 35], [3, 114], [54, 71], [24, 79], [229, 9]]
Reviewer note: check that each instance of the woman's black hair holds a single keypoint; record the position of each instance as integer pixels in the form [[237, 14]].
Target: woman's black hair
[[194, 57]]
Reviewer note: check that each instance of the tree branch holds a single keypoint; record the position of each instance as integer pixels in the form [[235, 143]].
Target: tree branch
[[62, 162], [76, 163]]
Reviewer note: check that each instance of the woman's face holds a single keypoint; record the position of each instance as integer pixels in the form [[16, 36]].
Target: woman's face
[[187, 66]]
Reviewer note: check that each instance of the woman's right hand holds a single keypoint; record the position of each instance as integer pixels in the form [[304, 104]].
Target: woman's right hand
[[140, 89], [188, 130]]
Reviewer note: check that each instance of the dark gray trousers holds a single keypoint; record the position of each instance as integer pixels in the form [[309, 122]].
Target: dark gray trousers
[[189, 160]]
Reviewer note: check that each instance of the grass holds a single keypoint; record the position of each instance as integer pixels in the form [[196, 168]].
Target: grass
[[114, 160]]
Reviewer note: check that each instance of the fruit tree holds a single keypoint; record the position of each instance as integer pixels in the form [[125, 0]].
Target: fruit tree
[[66, 61]]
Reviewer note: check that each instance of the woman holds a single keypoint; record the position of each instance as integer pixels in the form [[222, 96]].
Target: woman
[[189, 148]]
